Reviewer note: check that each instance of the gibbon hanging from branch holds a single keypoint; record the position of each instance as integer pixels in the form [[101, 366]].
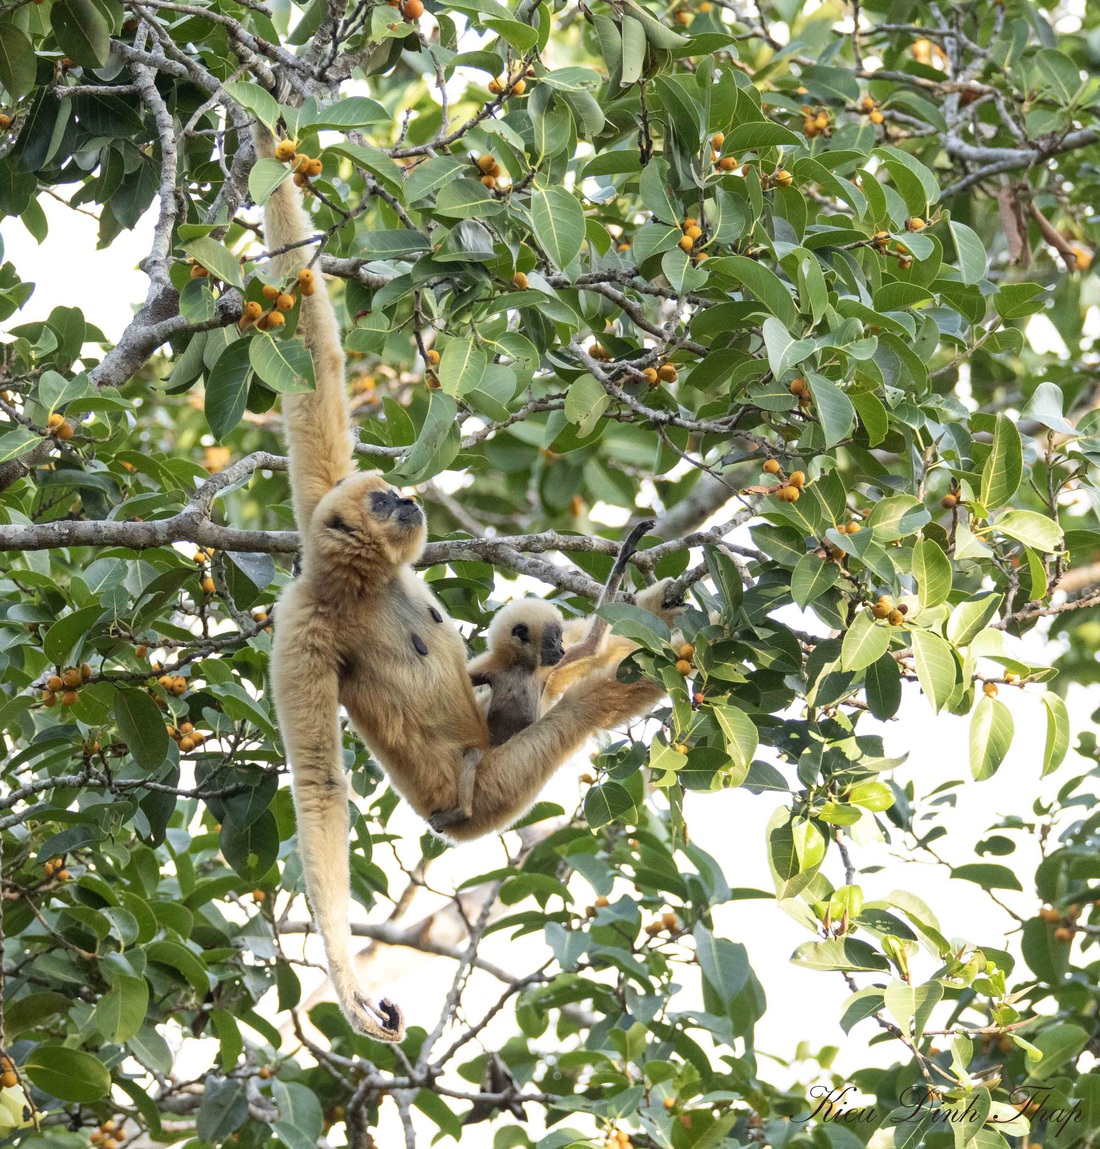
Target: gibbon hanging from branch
[[359, 629]]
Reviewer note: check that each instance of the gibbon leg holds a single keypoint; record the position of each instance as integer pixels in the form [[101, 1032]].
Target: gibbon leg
[[467, 780], [579, 661], [306, 691]]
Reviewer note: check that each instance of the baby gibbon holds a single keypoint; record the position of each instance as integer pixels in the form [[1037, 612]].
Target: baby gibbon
[[524, 642], [524, 648], [359, 629]]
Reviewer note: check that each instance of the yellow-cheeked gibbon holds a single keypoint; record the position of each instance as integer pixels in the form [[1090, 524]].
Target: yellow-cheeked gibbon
[[359, 629]]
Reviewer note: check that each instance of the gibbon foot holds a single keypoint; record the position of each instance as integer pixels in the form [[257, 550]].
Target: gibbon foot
[[384, 1021], [443, 819]]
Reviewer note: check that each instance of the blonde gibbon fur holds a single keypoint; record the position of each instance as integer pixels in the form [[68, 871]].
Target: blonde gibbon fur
[[359, 629]]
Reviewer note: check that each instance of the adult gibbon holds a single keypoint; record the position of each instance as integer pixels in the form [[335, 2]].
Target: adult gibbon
[[358, 628]]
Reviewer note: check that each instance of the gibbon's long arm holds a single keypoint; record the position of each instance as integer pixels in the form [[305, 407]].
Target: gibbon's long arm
[[318, 422], [307, 691], [305, 668]]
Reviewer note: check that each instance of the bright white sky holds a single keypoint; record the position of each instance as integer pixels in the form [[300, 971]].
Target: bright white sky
[[802, 1005]]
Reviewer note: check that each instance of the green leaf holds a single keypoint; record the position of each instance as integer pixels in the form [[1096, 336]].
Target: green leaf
[[812, 577], [217, 259], [768, 288], [181, 959], [120, 1012], [935, 665], [724, 963], [932, 570], [17, 61], [1059, 1045], [874, 796], [585, 402], [1040, 532], [31, 1010], [834, 409], [991, 730], [1018, 300], [82, 31], [1045, 405], [285, 365], [912, 1004], [265, 177], [845, 954], [762, 134], [865, 642], [227, 388], [741, 737], [1058, 733], [64, 637], [634, 50], [435, 446], [609, 802], [796, 849], [557, 220], [67, 1074], [432, 174], [465, 199], [256, 100], [142, 727], [784, 351], [224, 1109], [970, 251], [252, 849], [917, 185], [988, 875], [969, 618], [1004, 467], [897, 516], [348, 112], [462, 366]]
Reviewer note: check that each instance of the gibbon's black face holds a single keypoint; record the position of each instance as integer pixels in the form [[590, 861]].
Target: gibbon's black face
[[545, 648], [389, 506], [365, 522]]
